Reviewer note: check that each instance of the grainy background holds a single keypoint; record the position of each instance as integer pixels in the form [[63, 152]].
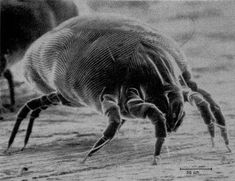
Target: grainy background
[[62, 135]]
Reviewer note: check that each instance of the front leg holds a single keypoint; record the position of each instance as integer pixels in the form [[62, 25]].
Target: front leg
[[207, 115], [214, 107], [141, 109], [112, 111], [219, 117]]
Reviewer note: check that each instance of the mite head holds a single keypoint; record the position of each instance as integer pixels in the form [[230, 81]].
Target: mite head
[[175, 109]]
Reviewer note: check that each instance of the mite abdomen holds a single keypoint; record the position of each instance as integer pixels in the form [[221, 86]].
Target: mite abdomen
[[79, 65], [80, 62], [45, 61]]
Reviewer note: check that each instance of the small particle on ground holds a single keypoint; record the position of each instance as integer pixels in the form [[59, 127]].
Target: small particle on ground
[[22, 171]]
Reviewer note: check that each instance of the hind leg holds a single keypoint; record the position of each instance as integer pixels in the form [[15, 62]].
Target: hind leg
[[214, 107], [35, 106]]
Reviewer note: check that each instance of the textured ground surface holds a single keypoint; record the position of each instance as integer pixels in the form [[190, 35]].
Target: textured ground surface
[[62, 135]]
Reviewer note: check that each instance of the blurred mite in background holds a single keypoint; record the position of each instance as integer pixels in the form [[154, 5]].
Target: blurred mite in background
[[22, 22]]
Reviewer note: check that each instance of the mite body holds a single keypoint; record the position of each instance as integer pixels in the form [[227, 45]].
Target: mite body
[[22, 22], [119, 67]]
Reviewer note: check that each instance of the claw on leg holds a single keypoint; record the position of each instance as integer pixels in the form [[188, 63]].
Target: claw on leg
[[101, 142], [97, 146], [108, 136], [224, 135], [158, 147], [228, 148], [156, 160]]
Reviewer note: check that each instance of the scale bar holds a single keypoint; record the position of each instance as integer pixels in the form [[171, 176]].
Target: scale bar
[[196, 168]]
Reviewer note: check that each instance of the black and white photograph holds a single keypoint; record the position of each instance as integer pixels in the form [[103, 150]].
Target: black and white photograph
[[107, 90]]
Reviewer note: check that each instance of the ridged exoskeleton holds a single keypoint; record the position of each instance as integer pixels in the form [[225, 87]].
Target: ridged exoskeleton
[[121, 68]]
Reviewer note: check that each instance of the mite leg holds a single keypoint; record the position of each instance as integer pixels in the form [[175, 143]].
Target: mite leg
[[35, 114], [8, 75], [140, 109], [137, 108], [203, 107], [32, 105], [218, 116], [112, 111], [22, 114], [215, 108]]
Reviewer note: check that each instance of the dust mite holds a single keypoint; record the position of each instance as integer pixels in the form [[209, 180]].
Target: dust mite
[[121, 68], [22, 22]]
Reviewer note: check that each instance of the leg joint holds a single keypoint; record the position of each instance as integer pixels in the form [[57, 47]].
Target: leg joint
[[34, 104], [35, 113], [54, 98]]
